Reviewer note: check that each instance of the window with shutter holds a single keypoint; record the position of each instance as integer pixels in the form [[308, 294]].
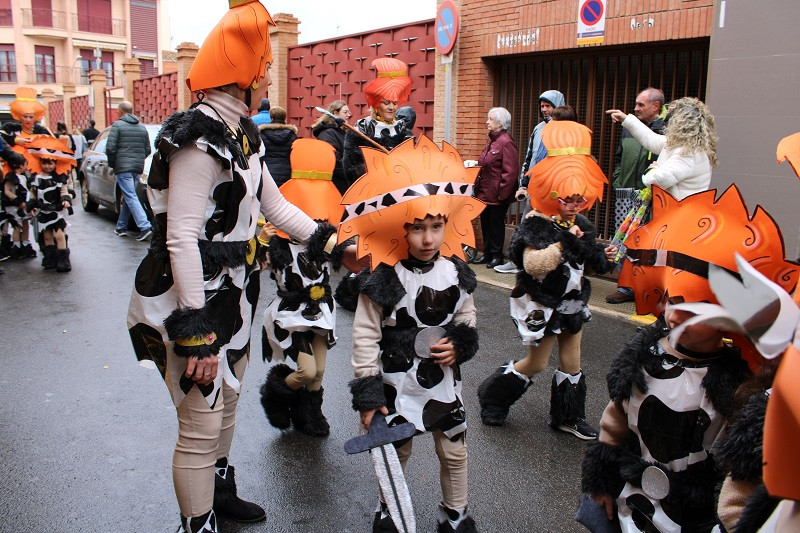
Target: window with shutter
[[45, 64], [8, 63]]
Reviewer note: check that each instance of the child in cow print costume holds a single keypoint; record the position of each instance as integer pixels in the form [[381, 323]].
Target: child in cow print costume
[[552, 246], [415, 320], [672, 385], [299, 323]]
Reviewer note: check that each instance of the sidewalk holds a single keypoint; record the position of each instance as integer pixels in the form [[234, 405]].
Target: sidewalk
[[601, 287]]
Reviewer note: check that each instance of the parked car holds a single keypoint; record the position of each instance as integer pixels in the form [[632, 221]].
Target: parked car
[[98, 183]]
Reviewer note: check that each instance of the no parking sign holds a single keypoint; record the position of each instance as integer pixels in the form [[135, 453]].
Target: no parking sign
[[591, 21]]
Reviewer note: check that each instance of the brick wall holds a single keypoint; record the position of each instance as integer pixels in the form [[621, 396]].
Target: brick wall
[[492, 31], [324, 71], [156, 97], [81, 112], [56, 114]]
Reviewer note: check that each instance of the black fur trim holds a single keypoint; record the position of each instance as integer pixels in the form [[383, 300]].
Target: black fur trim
[[600, 469], [217, 254], [367, 393], [497, 393], [188, 323], [567, 401], [626, 368], [724, 375], [759, 508], [467, 279], [228, 504], [276, 396], [315, 247], [740, 451], [571, 247], [382, 286], [307, 414], [346, 294], [337, 254], [464, 338], [280, 256], [66, 198], [467, 525]]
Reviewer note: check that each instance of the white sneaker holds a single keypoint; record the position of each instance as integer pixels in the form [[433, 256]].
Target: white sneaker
[[507, 268]]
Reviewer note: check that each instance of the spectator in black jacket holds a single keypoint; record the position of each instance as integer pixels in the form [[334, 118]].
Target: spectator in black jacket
[[278, 137], [332, 132], [91, 132]]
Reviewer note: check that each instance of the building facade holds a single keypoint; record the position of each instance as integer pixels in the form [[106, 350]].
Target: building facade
[[52, 45], [510, 51]]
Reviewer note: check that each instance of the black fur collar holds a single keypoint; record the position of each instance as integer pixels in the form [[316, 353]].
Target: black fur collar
[[185, 127]]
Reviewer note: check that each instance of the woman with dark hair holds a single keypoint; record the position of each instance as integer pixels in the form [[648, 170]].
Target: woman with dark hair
[[331, 131], [191, 310], [278, 137]]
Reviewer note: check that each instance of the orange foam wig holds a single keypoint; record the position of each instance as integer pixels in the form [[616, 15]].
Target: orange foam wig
[[46, 147], [392, 82], [310, 187], [236, 51], [25, 103], [409, 183], [670, 254], [568, 168]]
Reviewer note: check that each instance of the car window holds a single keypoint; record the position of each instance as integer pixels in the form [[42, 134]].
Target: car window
[[100, 143]]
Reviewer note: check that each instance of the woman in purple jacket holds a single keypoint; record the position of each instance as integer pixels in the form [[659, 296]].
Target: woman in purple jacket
[[496, 184]]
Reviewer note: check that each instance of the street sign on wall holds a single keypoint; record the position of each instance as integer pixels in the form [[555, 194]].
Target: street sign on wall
[[591, 21], [446, 27]]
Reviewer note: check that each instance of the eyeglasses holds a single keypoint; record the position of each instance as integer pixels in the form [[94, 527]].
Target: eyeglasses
[[570, 204]]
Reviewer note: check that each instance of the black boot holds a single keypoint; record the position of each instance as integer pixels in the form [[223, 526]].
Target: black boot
[[49, 255], [346, 293], [227, 503], [28, 251], [277, 397], [454, 520], [382, 523], [307, 413], [206, 523], [5, 247], [498, 393], [15, 252], [62, 260], [568, 405]]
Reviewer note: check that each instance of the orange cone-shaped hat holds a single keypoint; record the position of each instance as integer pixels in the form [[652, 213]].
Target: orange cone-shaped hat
[[236, 51], [568, 168], [310, 187], [25, 103], [392, 82]]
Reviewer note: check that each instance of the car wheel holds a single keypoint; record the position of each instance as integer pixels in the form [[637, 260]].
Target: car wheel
[[89, 205]]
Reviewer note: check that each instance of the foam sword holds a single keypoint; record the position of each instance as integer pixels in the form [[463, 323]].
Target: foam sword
[[353, 129]]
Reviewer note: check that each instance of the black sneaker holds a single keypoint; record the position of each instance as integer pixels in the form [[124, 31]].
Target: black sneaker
[[142, 235], [121, 232], [579, 428]]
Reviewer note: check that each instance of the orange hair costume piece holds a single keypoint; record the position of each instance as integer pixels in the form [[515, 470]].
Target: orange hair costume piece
[[782, 424], [669, 255], [236, 51], [568, 168], [25, 103], [409, 183], [310, 187], [392, 82], [46, 147]]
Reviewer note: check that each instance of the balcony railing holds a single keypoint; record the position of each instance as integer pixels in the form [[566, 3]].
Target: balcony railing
[[44, 18], [5, 17], [76, 75], [107, 26]]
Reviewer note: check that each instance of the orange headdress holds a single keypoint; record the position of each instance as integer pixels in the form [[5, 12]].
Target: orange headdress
[[568, 168], [392, 82], [46, 147], [670, 255], [25, 103], [410, 182], [310, 187], [236, 51]]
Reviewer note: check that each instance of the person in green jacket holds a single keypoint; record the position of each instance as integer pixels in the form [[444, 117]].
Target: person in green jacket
[[630, 163]]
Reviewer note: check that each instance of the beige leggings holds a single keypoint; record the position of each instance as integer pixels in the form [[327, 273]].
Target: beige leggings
[[569, 354], [310, 367], [452, 467], [204, 435]]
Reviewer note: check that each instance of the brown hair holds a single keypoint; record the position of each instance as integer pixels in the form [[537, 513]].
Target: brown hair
[[334, 107], [564, 112], [277, 113]]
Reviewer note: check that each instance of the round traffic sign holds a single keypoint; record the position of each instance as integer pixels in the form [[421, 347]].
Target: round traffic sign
[[592, 12], [446, 26]]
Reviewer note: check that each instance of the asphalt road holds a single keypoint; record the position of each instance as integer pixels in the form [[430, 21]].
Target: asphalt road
[[87, 435]]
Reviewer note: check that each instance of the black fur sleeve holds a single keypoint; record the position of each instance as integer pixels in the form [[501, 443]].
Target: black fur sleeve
[[533, 231], [600, 469], [367, 393], [740, 451], [594, 255], [316, 243], [467, 279], [189, 323], [337, 254], [626, 367], [352, 158], [382, 286], [464, 339], [724, 375]]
